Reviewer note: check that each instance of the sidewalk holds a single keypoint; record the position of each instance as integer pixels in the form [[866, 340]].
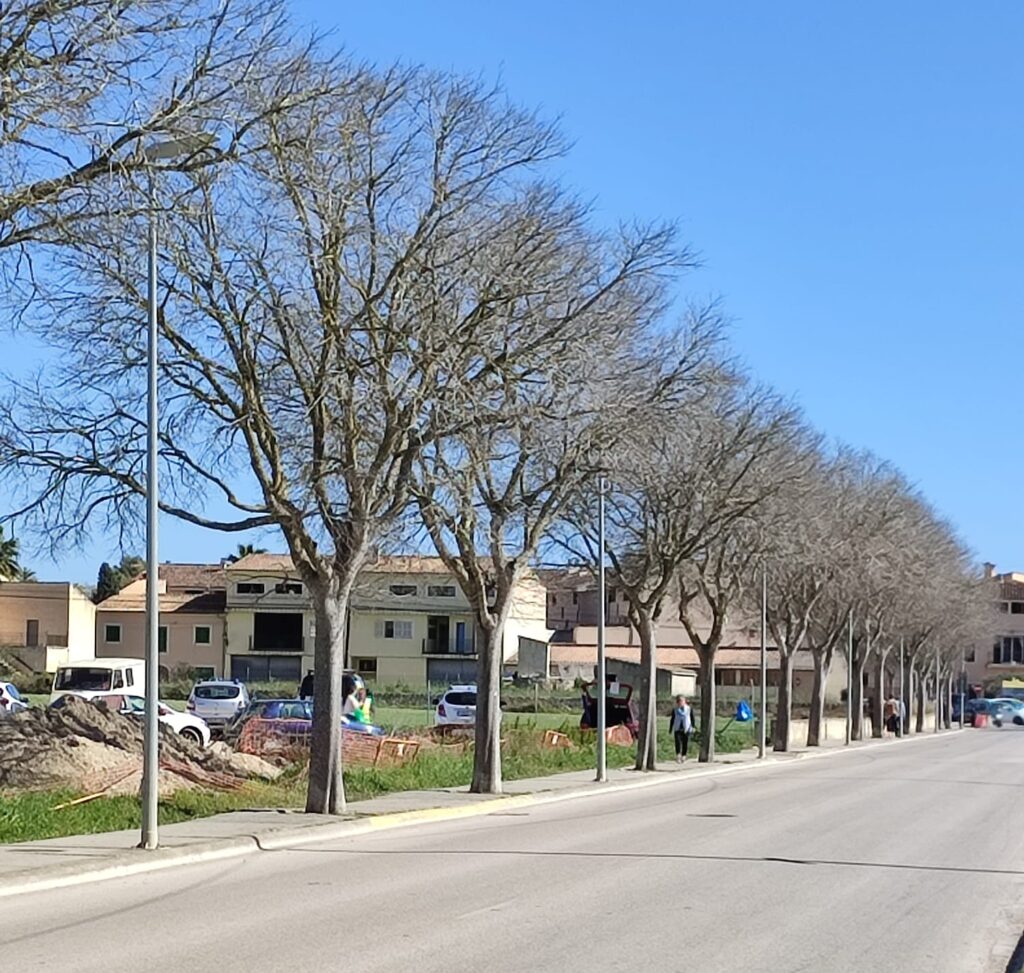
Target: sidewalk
[[57, 862]]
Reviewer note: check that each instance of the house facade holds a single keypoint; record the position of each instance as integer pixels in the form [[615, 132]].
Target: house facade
[[44, 624], [1002, 658], [409, 622], [192, 629]]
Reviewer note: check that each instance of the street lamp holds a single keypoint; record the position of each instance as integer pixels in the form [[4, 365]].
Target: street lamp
[[602, 677], [155, 152]]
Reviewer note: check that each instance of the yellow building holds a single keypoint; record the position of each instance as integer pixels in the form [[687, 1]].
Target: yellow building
[[44, 624], [410, 623]]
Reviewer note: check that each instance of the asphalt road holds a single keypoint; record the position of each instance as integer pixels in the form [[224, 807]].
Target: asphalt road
[[909, 857]]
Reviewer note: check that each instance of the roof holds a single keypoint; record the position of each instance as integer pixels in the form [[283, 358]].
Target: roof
[[199, 576], [205, 603], [385, 564], [726, 657]]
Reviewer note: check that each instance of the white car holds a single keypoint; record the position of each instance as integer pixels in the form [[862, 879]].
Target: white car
[[457, 707], [10, 700], [217, 701], [184, 724]]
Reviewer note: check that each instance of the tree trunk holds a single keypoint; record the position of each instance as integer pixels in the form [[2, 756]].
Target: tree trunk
[[919, 717], [860, 661], [708, 704], [949, 703], [908, 698], [487, 736], [647, 741], [326, 791], [822, 664], [878, 702], [784, 704]]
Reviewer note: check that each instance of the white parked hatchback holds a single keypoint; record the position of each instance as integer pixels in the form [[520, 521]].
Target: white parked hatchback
[[457, 707], [217, 701]]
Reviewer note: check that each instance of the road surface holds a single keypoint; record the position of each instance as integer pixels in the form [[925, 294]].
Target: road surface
[[908, 857]]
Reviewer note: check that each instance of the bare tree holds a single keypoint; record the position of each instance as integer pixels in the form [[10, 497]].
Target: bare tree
[[595, 372], [83, 83], [757, 447], [329, 308]]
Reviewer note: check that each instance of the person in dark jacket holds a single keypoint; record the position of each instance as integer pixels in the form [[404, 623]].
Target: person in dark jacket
[[306, 686], [681, 726]]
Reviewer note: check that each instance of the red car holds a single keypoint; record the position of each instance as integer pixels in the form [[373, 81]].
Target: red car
[[619, 707]]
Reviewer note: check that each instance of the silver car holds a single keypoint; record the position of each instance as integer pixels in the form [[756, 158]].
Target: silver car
[[217, 701]]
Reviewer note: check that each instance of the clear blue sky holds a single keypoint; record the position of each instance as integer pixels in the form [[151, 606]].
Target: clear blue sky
[[851, 173]]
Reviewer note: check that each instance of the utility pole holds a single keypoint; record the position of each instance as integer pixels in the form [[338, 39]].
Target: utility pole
[[602, 680], [763, 703], [963, 685], [849, 676]]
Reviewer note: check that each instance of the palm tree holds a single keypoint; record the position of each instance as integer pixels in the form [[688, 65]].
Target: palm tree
[[245, 549], [24, 574], [9, 566]]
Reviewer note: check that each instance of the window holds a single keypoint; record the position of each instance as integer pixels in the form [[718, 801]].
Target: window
[[201, 635], [969, 655], [403, 590], [32, 631], [575, 598], [611, 596], [118, 682], [441, 590], [82, 679], [112, 633], [397, 630], [1017, 607], [366, 667], [288, 588], [250, 587], [129, 677], [553, 598], [1008, 649], [220, 691], [162, 640]]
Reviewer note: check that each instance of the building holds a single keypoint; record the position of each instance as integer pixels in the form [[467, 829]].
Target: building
[[572, 607], [572, 599], [1003, 658], [192, 629], [44, 624], [409, 622]]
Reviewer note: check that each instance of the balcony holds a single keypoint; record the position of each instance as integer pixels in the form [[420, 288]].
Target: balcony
[[448, 647]]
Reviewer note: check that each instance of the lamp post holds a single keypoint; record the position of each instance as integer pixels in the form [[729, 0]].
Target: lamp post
[[902, 710], [602, 678], [155, 152], [763, 702]]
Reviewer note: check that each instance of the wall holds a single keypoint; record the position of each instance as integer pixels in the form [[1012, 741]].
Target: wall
[[182, 649], [81, 626], [527, 617], [45, 602]]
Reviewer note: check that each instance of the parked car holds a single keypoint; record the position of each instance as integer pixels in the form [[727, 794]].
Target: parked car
[[217, 701], [10, 700], [294, 718], [1006, 709], [99, 677], [184, 724], [457, 707], [619, 708]]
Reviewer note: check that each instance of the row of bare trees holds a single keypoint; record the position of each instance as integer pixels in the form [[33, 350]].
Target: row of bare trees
[[379, 312]]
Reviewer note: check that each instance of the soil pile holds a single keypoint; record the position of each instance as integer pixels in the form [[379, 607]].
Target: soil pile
[[85, 746]]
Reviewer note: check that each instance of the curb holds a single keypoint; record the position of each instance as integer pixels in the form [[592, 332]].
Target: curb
[[138, 862]]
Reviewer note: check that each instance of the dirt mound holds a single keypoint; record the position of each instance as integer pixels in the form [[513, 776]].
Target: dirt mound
[[85, 745]]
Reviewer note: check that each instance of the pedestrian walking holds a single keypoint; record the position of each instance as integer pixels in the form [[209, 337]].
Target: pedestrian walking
[[306, 686], [901, 716], [891, 716], [681, 726]]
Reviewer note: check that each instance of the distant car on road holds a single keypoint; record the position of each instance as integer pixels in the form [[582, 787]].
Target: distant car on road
[[1006, 709], [457, 707], [217, 701], [10, 700]]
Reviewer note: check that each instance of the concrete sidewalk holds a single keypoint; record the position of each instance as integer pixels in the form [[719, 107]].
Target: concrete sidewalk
[[56, 862]]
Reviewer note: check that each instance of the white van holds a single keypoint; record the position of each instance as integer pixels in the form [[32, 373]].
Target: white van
[[99, 677]]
